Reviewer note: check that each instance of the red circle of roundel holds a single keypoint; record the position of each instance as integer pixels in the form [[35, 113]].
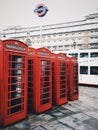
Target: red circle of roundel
[[41, 10]]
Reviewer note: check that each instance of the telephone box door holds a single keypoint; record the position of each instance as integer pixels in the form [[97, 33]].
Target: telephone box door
[[1, 89], [43, 78], [62, 82], [31, 59], [15, 87], [75, 82], [59, 79], [73, 86], [45, 82]]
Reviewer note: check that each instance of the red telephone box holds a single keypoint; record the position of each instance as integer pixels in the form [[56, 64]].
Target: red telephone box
[[31, 60], [42, 78], [13, 81], [59, 78], [73, 85]]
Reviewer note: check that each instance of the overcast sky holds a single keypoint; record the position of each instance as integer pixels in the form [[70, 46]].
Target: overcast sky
[[21, 12]]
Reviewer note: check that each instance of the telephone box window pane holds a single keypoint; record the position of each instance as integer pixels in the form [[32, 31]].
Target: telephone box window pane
[[15, 109], [75, 89], [45, 101], [45, 95], [30, 81], [45, 89], [62, 96], [17, 65], [94, 70], [83, 69], [17, 58], [16, 101], [44, 81], [62, 86]]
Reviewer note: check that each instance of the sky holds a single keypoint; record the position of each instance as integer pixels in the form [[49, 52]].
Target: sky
[[21, 12]]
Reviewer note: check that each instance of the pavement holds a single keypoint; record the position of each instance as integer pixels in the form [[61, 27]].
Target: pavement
[[81, 114]]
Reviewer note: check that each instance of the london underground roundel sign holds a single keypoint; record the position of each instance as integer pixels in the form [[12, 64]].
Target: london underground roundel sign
[[41, 10]]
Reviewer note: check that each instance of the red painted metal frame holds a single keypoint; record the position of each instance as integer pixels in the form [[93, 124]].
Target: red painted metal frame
[[59, 75], [43, 103], [13, 100], [31, 59], [1, 84], [73, 84], [42, 94]]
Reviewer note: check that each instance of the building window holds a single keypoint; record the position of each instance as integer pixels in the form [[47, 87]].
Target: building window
[[96, 30], [83, 69], [94, 70], [92, 31], [73, 39], [54, 35], [60, 40], [79, 45], [93, 45], [48, 40], [66, 34], [73, 54], [43, 37], [66, 46], [48, 47], [94, 54], [49, 36], [79, 32], [54, 47], [60, 34], [79, 38], [82, 55]]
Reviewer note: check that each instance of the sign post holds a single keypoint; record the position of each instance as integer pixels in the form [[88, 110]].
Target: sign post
[[41, 11]]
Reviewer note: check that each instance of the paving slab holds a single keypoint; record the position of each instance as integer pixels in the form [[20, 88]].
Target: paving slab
[[81, 114], [75, 124]]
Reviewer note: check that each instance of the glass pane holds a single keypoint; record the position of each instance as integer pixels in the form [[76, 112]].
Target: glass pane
[[83, 55], [94, 54], [83, 69], [94, 70]]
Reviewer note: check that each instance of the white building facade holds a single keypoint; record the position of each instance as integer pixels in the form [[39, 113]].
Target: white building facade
[[81, 34]]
